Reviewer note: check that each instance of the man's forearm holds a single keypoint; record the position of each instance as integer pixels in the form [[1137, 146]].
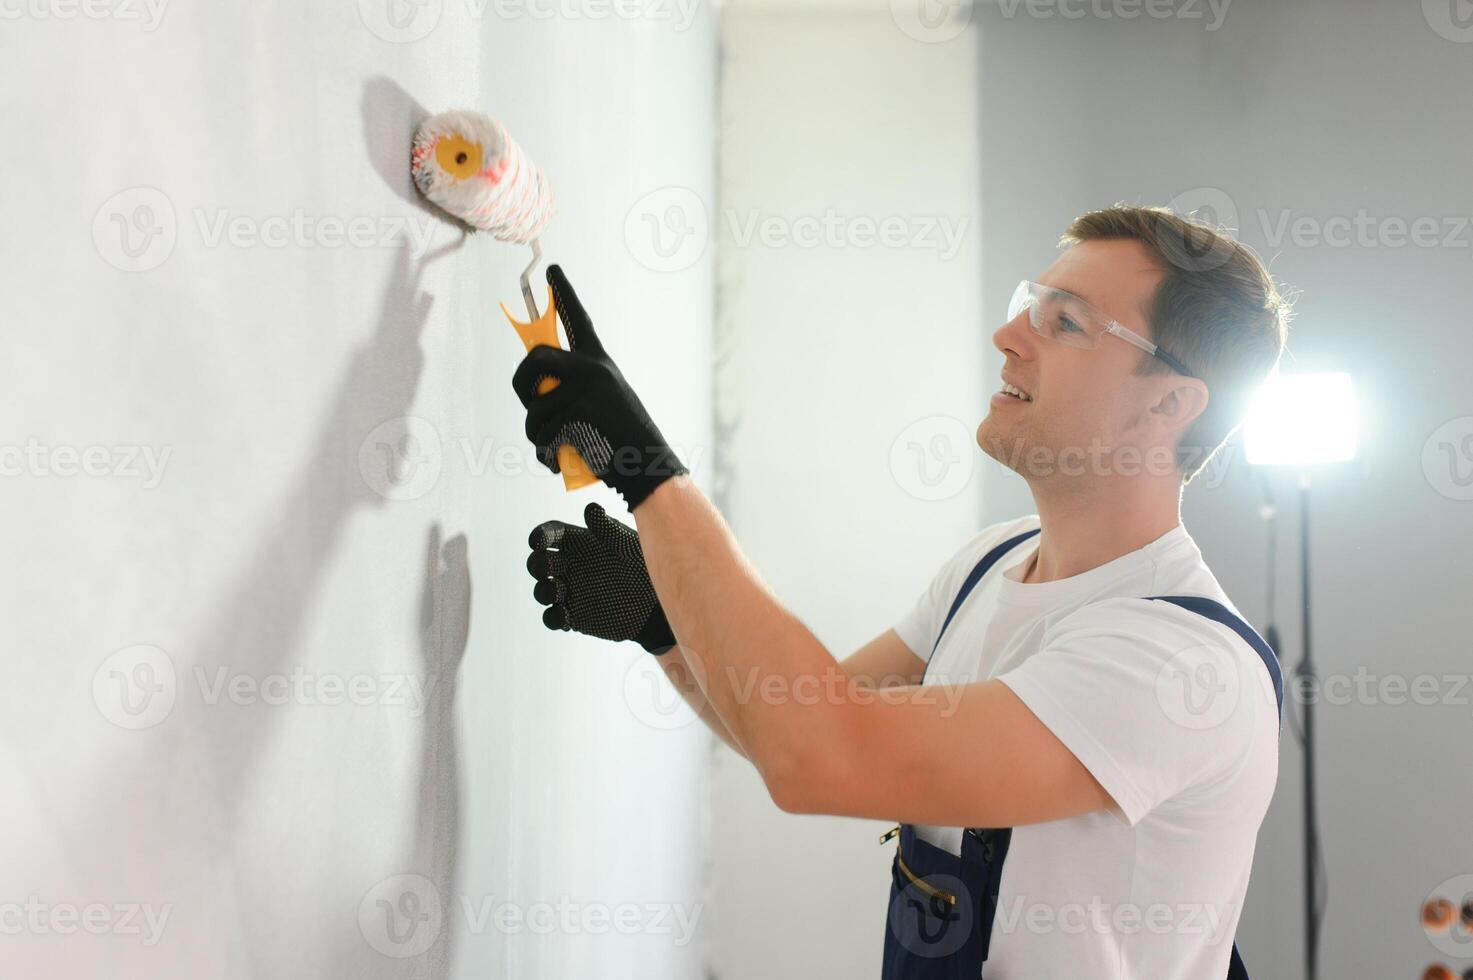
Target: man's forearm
[[679, 673], [755, 661]]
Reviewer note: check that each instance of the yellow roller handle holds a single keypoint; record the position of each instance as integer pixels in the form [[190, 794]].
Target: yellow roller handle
[[543, 331]]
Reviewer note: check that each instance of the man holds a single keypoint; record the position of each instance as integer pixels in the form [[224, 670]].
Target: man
[[1077, 732]]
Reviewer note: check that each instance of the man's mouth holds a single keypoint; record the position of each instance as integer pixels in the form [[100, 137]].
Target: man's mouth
[[1016, 392]]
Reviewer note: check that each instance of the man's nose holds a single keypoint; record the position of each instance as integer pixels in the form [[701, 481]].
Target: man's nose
[[1016, 336]]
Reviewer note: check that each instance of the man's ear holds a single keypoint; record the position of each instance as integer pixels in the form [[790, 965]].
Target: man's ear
[[1180, 404]]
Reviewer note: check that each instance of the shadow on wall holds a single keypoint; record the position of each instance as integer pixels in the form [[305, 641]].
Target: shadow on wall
[[390, 118], [163, 815]]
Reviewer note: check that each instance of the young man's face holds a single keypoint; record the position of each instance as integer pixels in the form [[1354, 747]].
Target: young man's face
[[1087, 402]]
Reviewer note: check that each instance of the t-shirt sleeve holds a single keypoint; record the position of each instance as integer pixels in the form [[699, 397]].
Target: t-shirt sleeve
[[1154, 700]]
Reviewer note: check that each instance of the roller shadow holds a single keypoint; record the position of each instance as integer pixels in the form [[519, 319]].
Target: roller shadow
[[390, 117]]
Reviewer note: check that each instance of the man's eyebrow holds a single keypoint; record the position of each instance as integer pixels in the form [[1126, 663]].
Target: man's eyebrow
[[1066, 294]]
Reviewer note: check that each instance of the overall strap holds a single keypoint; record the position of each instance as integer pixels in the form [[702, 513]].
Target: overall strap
[[988, 560], [1217, 612]]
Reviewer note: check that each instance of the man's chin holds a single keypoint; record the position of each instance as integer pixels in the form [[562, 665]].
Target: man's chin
[[991, 441]]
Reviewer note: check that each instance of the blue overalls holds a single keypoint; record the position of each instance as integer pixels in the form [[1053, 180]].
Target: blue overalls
[[942, 906]]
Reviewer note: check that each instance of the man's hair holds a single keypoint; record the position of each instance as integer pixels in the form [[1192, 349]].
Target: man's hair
[[1217, 311]]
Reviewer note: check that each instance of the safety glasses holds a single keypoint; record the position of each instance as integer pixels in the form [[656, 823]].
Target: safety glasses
[[1064, 317]]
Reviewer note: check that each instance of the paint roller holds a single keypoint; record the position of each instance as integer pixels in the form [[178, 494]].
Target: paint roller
[[467, 165]]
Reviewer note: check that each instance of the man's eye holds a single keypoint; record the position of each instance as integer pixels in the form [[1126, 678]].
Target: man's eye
[[1067, 325]]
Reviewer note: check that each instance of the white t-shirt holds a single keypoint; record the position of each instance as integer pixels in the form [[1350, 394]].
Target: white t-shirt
[[1173, 713]]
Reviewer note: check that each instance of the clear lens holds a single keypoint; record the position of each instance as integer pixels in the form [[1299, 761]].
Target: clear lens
[[1057, 315]]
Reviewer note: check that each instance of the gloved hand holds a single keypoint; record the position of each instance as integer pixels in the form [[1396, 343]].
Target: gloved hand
[[595, 582], [592, 409]]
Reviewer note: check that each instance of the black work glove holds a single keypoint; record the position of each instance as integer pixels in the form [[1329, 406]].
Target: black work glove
[[595, 582], [593, 409]]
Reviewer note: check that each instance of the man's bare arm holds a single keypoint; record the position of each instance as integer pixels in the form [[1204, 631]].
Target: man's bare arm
[[884, 661]]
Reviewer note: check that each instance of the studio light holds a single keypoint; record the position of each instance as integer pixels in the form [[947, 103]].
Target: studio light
[[1302, 419]]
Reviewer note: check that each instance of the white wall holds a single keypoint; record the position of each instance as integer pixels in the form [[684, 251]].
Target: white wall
[[1312, 112], [274, 544], [848, 389]]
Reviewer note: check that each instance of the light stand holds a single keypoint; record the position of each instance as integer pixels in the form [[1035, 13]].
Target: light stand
[[1301, 420], [1306, 681]]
